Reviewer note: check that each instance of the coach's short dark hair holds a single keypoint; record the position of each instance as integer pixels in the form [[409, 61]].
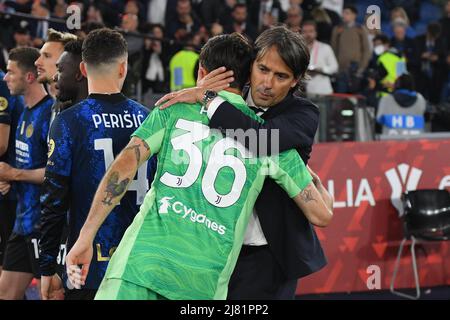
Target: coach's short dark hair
[[74, 47], [291, 46], [103, 46], [232, 51], [25, 58]]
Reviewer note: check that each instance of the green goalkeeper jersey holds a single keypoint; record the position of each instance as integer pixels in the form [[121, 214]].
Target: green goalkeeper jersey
[[186, 238]]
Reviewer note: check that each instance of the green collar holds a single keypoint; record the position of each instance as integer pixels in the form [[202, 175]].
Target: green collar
[[232, 98]]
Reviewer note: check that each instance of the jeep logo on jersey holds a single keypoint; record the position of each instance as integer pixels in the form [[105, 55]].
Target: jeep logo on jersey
[[190, 214], [402, 179]]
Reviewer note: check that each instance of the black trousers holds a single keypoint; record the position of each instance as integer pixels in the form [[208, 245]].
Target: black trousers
[[7, 218], [258, 276]]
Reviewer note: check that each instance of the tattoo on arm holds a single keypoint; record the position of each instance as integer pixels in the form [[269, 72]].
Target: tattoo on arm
[[145, 145], [136, 151], [306, 195], [114, 188]]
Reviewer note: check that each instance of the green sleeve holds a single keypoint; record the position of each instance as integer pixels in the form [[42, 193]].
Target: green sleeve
[[289, 171], [152, 130]]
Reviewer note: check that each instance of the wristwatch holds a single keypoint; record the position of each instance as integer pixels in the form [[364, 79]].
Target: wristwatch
[[207, 97]]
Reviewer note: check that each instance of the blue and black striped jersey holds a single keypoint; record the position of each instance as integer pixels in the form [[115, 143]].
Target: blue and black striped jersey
[[84, 141], [31, 153], [11, 107]]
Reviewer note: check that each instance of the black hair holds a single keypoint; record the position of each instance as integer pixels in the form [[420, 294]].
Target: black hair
[[103, 46], [74, 47], [405, 81], [291, 46], [434, 29], [25, 58], [352, 8], [383, 38], [87, 27], [232, 51]]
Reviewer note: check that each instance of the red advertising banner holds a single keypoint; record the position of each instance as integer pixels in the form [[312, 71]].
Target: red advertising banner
[[367, 180]]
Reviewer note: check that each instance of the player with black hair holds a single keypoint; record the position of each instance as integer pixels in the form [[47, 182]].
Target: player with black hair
[[21, 261], [71, 87], [84, 139]]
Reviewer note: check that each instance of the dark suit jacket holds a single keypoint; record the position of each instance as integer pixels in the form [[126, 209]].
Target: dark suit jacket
[[291, 238]]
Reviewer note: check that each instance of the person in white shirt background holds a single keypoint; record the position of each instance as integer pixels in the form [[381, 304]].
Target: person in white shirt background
[[322, 64]]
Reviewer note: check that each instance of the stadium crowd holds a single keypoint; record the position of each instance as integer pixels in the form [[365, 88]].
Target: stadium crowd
[[400, 67], [347, 54]]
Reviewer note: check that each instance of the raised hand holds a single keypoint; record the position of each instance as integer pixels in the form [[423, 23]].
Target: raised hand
[[216, 80]]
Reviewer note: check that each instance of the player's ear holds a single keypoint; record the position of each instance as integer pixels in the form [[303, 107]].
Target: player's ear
[[123, 69], [79, 76], [83, 69], [30, 77], [201, 73]]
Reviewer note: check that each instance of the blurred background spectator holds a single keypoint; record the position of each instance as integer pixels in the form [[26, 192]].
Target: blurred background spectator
[[350, 44], [402, 111], [294, 18], [184, 65], [217, 11], [265, 13], [323, 64], [239, 22], [413, 38], [398, 15], [184, 22], [155, 65], [432, 49]]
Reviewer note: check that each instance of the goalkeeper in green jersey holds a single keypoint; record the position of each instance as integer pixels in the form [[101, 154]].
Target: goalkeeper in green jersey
[[185, 240]]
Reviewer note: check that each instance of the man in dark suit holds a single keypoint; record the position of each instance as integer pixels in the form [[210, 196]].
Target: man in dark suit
[[280, 245], [432, 54], [239, 22], [265, 13]]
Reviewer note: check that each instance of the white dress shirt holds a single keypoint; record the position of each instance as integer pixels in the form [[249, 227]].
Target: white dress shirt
[[254, 236], [322, 56], [157, 11]]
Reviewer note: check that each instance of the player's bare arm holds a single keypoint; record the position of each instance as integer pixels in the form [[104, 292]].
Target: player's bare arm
[[9, 173], [4, 138], [217, 80], [115, 183], [316, 204], [111, 189]]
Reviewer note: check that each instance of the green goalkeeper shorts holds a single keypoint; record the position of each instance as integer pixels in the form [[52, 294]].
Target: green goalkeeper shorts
[[118, 289]]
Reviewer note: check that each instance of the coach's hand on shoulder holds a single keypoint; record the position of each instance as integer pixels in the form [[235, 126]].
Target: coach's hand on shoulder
[[217, 80], [80, 254], [51, 288]]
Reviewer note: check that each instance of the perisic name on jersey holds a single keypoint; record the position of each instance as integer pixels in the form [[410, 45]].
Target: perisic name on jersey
[[117, 120]]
